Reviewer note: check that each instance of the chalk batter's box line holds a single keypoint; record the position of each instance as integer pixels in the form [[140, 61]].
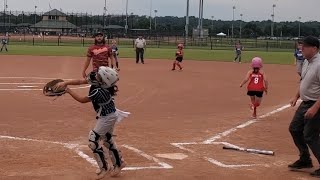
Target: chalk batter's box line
[[182, 146], [76, 148], [213, 139], [32, 89]]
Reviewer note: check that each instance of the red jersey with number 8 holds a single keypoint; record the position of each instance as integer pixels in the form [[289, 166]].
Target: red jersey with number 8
[[256, 82]]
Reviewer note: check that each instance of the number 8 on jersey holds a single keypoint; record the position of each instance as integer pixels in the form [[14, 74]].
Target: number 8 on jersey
[[256, 82]]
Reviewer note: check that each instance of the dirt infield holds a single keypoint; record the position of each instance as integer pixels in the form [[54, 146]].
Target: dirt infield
[[45, 139]]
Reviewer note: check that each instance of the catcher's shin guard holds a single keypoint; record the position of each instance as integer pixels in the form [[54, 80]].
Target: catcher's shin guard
[[114, 153], [97, 149]]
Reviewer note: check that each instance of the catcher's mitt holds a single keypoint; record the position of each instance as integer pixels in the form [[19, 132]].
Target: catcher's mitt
[[50, 88]]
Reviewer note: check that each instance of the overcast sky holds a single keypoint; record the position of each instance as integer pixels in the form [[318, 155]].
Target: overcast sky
[[286, 10]]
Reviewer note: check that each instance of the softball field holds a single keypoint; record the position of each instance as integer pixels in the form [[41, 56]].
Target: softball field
[[179, 123]]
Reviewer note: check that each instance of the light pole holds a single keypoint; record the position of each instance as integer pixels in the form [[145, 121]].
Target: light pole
[[299, 27], [126, 27], [150, 16], [241, 25], [35, 17], [104, 13], [212, 18], [199, 14], [202, 4], [131, 15], [272, 24], [233, 10], [155, 19], [187, 24], [200, 23], [5, 6]]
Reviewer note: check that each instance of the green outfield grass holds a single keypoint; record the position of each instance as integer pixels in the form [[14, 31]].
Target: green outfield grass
[[154, 53]]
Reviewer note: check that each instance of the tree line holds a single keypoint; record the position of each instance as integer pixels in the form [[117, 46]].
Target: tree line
[[176, 25]]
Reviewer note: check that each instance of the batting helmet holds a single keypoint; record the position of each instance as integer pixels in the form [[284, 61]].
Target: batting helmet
[[256, 62], [180, 45]]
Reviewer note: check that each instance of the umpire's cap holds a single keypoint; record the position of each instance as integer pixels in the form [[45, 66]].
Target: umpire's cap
[[311, 41], [98, 33]]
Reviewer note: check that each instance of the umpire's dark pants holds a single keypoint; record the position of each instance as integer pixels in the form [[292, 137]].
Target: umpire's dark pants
[[305, 132], [4, 46], [139, 54]]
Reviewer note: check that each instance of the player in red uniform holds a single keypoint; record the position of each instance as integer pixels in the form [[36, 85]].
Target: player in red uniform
[[179, 58], [99, 53], [257, 84]]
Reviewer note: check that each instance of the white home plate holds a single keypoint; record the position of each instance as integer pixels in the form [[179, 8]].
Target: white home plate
[[174, 156]]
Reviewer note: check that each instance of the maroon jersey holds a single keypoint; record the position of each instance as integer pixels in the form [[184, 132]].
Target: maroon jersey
[[100, 55]]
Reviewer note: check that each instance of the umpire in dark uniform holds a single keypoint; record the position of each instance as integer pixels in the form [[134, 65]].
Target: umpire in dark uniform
[[305, 125]]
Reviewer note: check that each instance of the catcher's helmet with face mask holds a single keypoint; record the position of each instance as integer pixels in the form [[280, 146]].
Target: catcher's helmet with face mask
[[108, 75]]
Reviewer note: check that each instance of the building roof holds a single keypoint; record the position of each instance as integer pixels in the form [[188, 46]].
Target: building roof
[[54, 24], [114, 27], [54, 12], [92, 26]]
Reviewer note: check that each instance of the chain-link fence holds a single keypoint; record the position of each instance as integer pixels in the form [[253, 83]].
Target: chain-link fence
[[156, 42]]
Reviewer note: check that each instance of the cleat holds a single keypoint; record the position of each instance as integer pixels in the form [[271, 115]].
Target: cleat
[[117, 170], [102, 173]]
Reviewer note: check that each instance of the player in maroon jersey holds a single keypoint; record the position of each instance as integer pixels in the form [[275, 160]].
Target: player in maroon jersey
[[99, 54]]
